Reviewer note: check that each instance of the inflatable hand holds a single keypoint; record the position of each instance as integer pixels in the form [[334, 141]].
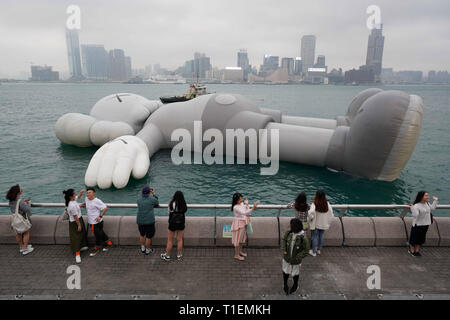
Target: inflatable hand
[[111, 117], [116, 160]]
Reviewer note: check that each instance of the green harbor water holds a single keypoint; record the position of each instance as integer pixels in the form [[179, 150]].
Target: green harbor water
[[32, 156]]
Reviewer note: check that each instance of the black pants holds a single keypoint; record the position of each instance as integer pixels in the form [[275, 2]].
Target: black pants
[[100, 236]]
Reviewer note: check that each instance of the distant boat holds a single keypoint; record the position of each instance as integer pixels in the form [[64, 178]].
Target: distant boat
[[165, 80], [195, 90]]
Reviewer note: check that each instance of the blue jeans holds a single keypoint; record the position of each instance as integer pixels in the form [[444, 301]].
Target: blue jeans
[[317, 236]]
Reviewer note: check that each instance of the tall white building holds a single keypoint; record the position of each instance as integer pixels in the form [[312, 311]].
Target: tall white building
[[308, 48], [73, 53]]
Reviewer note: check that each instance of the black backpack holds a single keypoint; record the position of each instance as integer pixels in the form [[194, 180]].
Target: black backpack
[[176, 217]]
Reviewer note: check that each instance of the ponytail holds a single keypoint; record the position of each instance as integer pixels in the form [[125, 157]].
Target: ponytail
[[67, 195]]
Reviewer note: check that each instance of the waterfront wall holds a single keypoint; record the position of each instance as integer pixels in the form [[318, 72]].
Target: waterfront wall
[[207, 231]]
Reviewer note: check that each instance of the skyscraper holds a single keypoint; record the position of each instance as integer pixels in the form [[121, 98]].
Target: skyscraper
[[375, 51], [288, 64], [128, 69], [308, 48], [116, 66], [243, 63], [95, 61], [73, 53], [270, 64]]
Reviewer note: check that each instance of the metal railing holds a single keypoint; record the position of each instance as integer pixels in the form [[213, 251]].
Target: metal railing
[[343, 208]]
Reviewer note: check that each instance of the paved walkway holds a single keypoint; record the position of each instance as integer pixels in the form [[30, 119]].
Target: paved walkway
[[212, 273]]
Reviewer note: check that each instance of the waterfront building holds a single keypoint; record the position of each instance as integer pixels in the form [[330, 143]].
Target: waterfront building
[[73, 54], [43, 73], [270, 64], [233, 74], [117, 70], [95, 61], [128, 69], [243, 63], [442, 77], [288, 64], [363, 75], [375, 48], [308, 47], [298, 66]]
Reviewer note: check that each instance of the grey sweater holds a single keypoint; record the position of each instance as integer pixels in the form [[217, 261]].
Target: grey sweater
[[24, 208]]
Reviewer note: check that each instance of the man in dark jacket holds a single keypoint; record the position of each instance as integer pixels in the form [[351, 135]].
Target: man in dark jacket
[[145, 218]]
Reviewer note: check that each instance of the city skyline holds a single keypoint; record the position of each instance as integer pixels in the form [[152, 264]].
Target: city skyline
[[171, 39]]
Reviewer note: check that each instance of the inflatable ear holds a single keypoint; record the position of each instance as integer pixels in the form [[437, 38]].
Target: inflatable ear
[[125, 107], [381, 136], [74, 128]]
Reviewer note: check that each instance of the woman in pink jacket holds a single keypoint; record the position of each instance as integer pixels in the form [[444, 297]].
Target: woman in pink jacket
[[239, 227]]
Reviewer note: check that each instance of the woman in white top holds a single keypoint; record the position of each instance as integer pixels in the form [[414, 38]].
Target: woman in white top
[[422, 219], [77, 228], [239, 227], [320, 216]]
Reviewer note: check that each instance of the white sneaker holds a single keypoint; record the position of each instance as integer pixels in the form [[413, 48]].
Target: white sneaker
[[142, 249], [318, 251], [84, 249], [312, 253], [148, 251], [22, 249], [78, 258], [29, 250]]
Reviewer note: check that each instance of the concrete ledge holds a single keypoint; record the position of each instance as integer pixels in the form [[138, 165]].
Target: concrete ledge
[[443, 224], [220, 240], [62, 231], [389, 231], [128, 231], [432, 238], [358, 231], [7, 235], [43, 229], [333, 237], [199, 231], [265, 232]]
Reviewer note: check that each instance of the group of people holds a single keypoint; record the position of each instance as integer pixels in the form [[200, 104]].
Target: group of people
[[295, 244]]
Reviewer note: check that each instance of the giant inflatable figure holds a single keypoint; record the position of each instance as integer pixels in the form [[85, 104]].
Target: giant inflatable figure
[[373, 140]]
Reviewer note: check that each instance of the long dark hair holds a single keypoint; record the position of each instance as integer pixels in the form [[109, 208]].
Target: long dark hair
[[296, 226], [178, 200], [235, 200], [320, 201], [67, 195], [12, 193], [300, 203], [419, 196]]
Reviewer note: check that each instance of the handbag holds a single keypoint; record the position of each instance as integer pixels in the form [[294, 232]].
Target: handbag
[[249, 229], [65, 215], [18, 222]]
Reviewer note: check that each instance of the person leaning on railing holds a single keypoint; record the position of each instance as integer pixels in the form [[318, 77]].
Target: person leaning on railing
[[145, 218], [77, 228], [320, 216], [240, 222], [23, 208], [301, 207], [422, 219]]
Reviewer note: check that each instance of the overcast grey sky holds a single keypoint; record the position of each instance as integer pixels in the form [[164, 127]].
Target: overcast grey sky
[[168, 32]]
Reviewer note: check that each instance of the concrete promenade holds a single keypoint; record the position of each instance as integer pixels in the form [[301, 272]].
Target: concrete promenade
[[208, 271], [212, 273]]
